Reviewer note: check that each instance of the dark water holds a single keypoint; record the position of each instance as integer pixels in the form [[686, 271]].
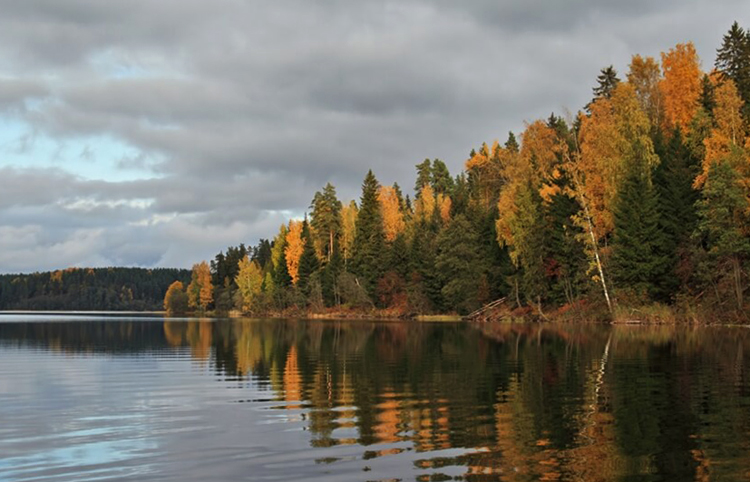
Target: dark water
[[148, 399]]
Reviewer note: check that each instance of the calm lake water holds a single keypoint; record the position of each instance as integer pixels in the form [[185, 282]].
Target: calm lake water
[[112, 398]]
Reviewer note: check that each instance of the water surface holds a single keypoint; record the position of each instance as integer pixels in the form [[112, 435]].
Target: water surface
[[103, 398]]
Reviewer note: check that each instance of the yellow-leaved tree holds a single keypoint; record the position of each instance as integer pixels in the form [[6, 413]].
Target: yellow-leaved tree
[[175, 300], [249, 282], [200, 291], [681, 86], [294, 247], [348, 229], [393, 218], [645, 76]]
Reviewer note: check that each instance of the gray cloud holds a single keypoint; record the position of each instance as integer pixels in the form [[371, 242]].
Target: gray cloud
[[236, 112]]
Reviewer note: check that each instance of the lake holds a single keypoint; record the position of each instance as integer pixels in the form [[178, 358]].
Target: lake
[[124, 398]]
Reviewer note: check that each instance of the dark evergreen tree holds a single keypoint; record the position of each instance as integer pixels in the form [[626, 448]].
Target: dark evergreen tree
[[606, 81], [673, 180], [638, 258], [424, 279], [566, 263], [369, 238], [442, 182], [326, 219], [329, 276], [281, 277], [707, 94], [424, 176], [733, 59], [459, 265], [308, 261], [460, 197], [512, 144], [722, 226]]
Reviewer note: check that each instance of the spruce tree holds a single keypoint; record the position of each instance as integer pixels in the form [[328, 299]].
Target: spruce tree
[[638, 260], [308, 262], [329, 277], [442, 182], [459, 265], [281, 277], [512, 144], [424, 176], [733, 59], [673, 179], [369, 238], [606, 81], [722, 224]]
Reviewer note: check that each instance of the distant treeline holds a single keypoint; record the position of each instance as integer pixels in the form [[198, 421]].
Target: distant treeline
[[114, 289], [641, 199]]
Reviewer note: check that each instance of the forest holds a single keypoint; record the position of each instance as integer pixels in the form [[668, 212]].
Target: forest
[[640, 203], [104, 289]]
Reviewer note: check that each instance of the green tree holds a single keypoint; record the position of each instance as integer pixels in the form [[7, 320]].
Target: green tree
[[424, 176], [512, 144], [673, 181], [325, 220], [638, 258], [733, 60], [281, 277], [308, 262], [606, 82], [249, 283], [722, 222], [442, 182], [458, 264], [369, 239], [529, 248]]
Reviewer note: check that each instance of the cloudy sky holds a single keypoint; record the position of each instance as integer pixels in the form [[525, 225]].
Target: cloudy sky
[[155, 133]]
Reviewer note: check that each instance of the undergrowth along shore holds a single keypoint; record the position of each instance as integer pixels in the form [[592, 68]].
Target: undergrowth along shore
[[582, 311]]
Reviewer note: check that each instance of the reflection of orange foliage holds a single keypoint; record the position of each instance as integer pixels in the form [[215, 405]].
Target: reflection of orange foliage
[[201, 339], [292, 377], [174, 333], [388, 418]]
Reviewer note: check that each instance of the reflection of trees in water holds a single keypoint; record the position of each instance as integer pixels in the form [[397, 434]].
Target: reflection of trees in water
[[532, 401]]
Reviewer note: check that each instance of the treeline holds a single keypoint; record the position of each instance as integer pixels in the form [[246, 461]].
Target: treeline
[[110, 289], [642, 198]]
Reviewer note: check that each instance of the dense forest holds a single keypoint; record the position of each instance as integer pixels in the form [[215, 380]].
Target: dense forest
[[640, 200], [114, 289]]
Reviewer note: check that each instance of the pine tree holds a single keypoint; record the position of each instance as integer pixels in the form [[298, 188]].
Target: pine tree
[[325, 220], [369, 240]]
